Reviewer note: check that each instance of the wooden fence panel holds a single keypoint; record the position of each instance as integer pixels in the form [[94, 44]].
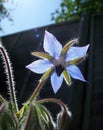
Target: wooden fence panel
[[93, 103]]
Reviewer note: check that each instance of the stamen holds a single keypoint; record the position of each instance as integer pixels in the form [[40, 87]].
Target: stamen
[[59, 69]]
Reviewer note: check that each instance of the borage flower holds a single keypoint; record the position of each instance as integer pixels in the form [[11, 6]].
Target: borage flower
[[59, 62]]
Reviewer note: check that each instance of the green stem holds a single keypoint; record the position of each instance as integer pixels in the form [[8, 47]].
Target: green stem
[[41, 83], [53, 100], [36, 91], [8, 71], [28, 119]]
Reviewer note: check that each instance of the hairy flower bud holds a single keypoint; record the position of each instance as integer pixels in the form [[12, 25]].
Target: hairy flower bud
[[63, 119]]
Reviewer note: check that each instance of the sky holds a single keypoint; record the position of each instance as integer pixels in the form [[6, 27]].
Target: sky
[[28, 14]]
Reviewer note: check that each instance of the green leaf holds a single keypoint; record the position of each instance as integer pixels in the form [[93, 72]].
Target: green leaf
[[32, 120], [45, 118], [38, 118], [7, 122]]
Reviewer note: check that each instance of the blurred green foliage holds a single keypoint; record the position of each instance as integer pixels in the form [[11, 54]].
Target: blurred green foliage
[[4, 12], [73, 9]]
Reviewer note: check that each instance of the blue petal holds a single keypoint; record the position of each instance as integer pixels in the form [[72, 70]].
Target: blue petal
[[56, 81], [40, 66], [75, 72], [52, 45], [76, 52]]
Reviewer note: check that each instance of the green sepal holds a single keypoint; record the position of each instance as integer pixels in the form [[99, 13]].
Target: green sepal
[[68, 45], [47, 74], [67, 77], [76, 61], [42, 55]]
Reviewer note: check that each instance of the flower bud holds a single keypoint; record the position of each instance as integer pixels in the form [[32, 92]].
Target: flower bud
[[63, 119]]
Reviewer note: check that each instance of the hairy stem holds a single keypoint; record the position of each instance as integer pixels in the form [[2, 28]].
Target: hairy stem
[[28, 119], [36, 91], [9, 74], [53, 100]]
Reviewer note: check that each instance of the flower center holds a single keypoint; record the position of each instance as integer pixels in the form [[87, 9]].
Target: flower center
[[59, 65], [59, 69]]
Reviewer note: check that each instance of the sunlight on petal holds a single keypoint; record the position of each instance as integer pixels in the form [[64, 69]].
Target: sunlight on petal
[[76, 52], [52, 45], [56, 81], [75, 72], [40, 66]]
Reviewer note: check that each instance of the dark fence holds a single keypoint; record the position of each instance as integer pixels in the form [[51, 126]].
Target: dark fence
[[85, 100], [93, 108]]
